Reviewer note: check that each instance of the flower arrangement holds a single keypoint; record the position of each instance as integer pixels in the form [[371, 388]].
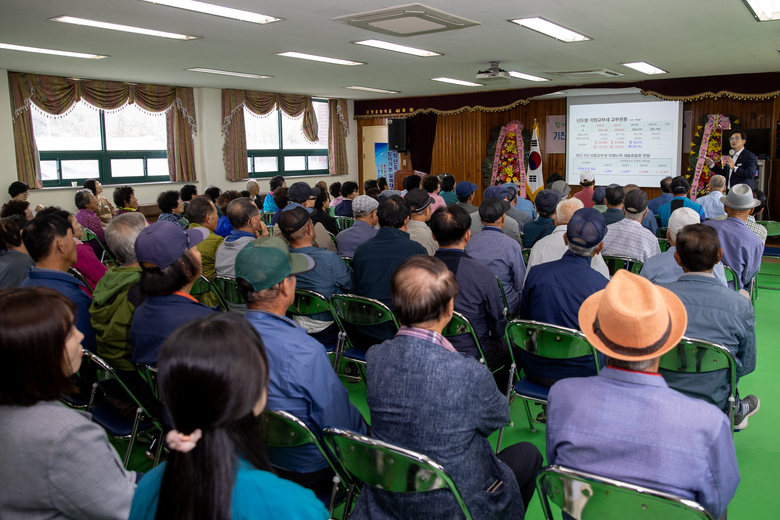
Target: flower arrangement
[[708, 144], [509, 159]]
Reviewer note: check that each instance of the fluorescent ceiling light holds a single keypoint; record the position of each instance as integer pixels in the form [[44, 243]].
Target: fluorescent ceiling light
[[229, 73], [520, 75], [644, 68], [217, 10], [458, 82], [764, 10], [69, 54], [123, 28], [550, 29], [323, 59], [371, 89], [379, 44]]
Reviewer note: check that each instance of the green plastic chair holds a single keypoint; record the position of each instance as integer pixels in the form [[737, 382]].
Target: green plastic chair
[[585, 496], [459, 325], [307, 303], [228, 288], [696, 356], [349, 261], [615, 263], [267, 217], [90, 236], [772, 227], [202, 286], [731, 276], [344, 222], [526, 254], [389, 467], [663, 244], [503, 297], [81, 278], [661, 233]]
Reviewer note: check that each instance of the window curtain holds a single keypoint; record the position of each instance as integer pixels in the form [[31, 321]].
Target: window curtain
[[422, 134], [55, 95], [260, 103], [338, 126]]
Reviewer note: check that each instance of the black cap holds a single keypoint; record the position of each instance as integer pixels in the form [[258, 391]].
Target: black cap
[[680, 185], [418, 199], [635, 201], [301, 192], [492, 208], [547, 200], [614, 194], [292, 220]]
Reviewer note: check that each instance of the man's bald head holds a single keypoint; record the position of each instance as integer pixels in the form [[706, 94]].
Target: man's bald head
[[422, 289]]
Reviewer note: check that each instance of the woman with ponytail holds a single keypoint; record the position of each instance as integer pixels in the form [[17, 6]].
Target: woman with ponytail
[[213, 378]]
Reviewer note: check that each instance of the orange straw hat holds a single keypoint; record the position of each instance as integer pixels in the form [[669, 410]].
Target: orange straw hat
[[632, 319]]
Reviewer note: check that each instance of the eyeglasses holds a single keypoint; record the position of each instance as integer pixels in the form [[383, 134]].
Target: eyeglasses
[[735, 138]]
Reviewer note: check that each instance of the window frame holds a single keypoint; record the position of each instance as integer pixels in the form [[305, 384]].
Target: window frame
[[281, 152], [104, 157]]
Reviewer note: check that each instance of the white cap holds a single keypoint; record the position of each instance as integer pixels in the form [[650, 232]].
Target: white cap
[[680, 218], [586, 177]]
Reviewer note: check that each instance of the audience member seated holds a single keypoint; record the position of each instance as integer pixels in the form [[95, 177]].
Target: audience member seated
[[381, 184], [349, 190], [170, 265], [187, 193], [680, 188], [19, 208], [280, 199], [86, 216], [546, 202], [562, 188], [465, 193], [19, 190], [553, 246], [554, 292], [664, 268], [87, 264], [430, 183], [425, 396], [711, 203], [124, 200], [649, 221], [302, 380], [521, 217], [751, 223], [369, 184], [585, 195], [614, 196], [447, 191], [253, 187], [49, 241], [171, 206], [330, 275], [599, 194], [217, 468], [628, 237], [247, 223], [335, 193], [640, 419], [224, 227], [105, 210], [213, 192], [15, 262], [364, 208], [497, 251], [552, 179], [54, 461], [665, 197], [377, 258], [410, 182], [304, 195], [479, 298], [114, 301], [322, 215], [203, 214], [742, 249], [269, 205], [717, 314], [511, 227], [421, 206]]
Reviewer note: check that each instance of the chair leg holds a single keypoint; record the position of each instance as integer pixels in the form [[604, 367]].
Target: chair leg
[[334, 491], [159, 450], [348, 501], [132, 436], [528, 414], [339, 349], [508, 394], [92, 396]]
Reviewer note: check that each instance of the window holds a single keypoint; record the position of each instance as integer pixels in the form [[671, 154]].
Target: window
[[117, 147], [276, 145]]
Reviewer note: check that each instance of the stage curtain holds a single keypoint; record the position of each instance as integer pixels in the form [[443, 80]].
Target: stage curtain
[[422, 134], [338, 130]]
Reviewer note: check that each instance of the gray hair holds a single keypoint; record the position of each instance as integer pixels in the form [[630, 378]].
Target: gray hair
[[121, 233], [582, 251], [82, 198], [718, 181], [565, 210], [635, 216], [636, 366], [250, 183]]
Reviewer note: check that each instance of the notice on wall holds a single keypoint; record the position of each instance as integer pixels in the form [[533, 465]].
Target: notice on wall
[[393, 162], [555, 135], [380, 158]]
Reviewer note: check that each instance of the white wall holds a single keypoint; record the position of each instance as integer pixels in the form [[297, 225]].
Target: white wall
[[208, 155]]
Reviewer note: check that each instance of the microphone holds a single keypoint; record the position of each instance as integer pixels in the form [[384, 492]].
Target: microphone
[[731, 153]]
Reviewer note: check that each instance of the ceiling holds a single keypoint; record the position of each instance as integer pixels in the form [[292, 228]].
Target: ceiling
[[684, 37]]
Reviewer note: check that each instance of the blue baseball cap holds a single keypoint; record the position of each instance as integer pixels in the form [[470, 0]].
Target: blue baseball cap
[[547, 200], [586, 228], [500, 192], [599, 194], [465, 188], [163, 242]]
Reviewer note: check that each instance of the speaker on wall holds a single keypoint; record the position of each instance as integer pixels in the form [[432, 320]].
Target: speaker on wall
[[396, 135]]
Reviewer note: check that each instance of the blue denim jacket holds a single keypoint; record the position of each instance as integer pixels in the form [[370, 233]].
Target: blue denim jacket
[[444, 405]]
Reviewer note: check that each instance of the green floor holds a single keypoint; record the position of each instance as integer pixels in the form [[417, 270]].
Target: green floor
[[758, 449]]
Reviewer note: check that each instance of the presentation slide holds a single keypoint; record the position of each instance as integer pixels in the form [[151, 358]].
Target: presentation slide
[[637, 142]]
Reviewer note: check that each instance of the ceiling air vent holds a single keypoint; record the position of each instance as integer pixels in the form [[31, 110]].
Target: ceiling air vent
[[586, 74], [406, 20]]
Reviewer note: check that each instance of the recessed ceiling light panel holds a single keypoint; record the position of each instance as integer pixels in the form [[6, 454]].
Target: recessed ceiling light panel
[[550, 29], [644, 68], [764, 10], [529, 77], [38, 50], [458, 82], [323, 59], [229, 73], [379, 44], [217, 10], [372, 89], [122, 28]]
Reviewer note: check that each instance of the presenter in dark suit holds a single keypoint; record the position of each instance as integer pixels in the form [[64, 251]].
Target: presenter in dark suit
[[740, 167]]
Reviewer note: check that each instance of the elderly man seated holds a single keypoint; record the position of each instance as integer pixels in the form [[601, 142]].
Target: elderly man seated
[[465, 193], [522, 210], [713, 207], [717, 314], [552, 247], [425, 396], [497, 251], [510, 227], [742, 249], [420, 204], [546, 201], [680, 188], [301, 380], [664, 268], [614, 197], [203, 213], [626, 423], [628, 237], [247, 222], [364, 209]]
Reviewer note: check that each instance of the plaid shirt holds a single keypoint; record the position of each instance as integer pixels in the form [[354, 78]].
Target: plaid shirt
[[629, 238], [427, 335], [752, 225]]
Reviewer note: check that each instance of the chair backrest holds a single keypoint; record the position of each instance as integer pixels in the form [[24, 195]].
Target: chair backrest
[[663, 244], [586, 496], [731, 276], [90, 236], [389, 467], [661, 233], [614, 263], [307, 303], [202, 286], [772, 227], [344, 222], [80, 277], [526, 254], [548, 340], [351, 311], [267, 216], [228, 288], [349, 261], [458, 325], [503, 296]]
